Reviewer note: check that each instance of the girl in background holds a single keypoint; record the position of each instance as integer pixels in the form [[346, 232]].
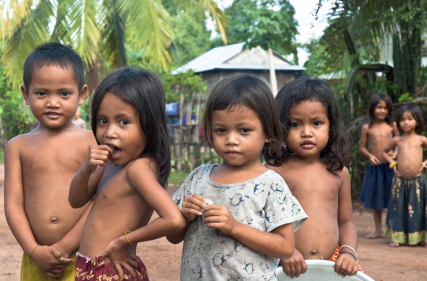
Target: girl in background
[[378, 132], [407, 210]]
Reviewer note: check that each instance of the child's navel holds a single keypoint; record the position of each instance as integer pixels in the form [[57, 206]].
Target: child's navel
[[54, 220], [313, 252]]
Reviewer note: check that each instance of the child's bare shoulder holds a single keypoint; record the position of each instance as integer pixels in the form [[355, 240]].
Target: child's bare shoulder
[[142, 172]]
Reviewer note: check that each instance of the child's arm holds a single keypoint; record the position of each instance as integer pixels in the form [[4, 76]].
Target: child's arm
[[48, 259], [71, 241], [372, 159], [191, 208], [424, 144], [346, 264], [85, 182], [387, 148], [142, 177], [280, 243], [395, 134]]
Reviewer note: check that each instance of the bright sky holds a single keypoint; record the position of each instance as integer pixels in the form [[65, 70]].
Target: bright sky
[[308, 28]]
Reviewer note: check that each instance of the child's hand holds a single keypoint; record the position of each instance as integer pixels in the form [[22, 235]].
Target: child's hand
[[422, 167], [119, 253], [346, 265], [50, 260], [395, 170], [219, 217], [393, 154], [193, 206], [374, 160], [295, 265], [98, 156]]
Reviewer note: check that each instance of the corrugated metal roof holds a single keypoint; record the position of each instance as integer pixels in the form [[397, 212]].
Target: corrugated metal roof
[[215, 60]]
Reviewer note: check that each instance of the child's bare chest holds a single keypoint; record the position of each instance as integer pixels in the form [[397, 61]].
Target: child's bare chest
[[43, 157], [380, 132], [313, 185]]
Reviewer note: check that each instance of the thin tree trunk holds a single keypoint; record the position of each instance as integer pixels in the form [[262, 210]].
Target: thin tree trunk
[[93, 78], [273, 80]]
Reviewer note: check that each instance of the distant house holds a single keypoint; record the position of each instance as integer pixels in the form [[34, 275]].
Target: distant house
[[221, 62]]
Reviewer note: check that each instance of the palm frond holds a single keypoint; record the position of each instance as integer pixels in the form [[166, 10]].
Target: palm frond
[[152, 26], [12, 13], [82, 27], [32, 32]]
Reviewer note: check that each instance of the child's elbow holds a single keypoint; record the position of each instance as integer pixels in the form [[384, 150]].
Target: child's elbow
[[178, 222], [286, 249], [74, 203]]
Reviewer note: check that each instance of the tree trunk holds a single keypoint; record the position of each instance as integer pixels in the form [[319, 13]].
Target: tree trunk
[[93, 78], [273, 81]]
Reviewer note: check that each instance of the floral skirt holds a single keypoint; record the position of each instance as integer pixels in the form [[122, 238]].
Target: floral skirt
[[407, 210]]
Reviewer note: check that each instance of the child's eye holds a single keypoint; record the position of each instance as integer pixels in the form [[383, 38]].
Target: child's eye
[[317, 123], [102, 121], [124, 122], [220, 131], [245, 130], [295, 125], [65, 94], [41, 94]]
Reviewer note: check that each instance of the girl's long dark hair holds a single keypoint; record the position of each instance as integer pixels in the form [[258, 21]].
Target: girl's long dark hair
[[307, 88], [143, 90], [247, 90], [415, 112], [373, 102]]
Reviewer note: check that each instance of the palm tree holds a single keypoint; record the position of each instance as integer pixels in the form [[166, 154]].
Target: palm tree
[[96, 29]]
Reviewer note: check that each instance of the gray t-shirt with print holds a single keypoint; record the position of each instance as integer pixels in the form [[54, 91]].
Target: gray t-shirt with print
[[263, 203]]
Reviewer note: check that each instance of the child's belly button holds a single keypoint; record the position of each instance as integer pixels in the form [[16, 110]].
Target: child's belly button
[[54, 220]]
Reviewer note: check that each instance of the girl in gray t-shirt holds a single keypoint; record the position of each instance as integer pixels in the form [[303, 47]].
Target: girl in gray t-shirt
[[240, 216]]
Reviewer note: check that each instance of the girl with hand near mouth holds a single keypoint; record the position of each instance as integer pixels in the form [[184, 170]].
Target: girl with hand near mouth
[[378, 132], [313, 167], [127, 174], [240, 216]]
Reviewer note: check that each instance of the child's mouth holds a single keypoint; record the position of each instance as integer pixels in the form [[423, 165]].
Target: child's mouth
[[116, 151]]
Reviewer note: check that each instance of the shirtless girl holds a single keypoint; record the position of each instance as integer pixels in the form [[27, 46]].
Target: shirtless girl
[[40, 165], [313, 168], [379, 131], [406, 214]]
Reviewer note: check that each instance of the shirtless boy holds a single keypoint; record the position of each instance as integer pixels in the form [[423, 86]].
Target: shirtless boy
[[40, 165], [379, 131]]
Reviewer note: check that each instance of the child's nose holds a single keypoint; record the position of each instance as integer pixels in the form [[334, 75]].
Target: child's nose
[[53, 102], [111, 132], [306, 131], [232, 139]]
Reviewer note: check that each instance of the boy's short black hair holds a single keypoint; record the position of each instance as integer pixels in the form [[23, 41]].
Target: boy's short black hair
[[416, 113], [54, 54], [246, 90], [306, 88]]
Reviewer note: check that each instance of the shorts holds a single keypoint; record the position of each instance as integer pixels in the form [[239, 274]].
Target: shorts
[[30, 271]]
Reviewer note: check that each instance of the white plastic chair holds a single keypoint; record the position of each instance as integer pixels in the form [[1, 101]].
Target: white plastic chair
[[319, 270]]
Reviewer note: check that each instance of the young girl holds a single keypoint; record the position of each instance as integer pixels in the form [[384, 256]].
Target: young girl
[[240, 216], [127, 173], [379, 131], [407, 210], [313, 167]]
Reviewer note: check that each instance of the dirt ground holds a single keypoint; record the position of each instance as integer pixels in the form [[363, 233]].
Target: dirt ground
[[162, 259]]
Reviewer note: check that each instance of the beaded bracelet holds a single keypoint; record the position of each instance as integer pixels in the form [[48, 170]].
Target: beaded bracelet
[[126, 235], [346, 246]]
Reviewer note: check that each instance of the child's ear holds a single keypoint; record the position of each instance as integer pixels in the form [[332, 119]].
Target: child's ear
[[83, 93], [267, 140], [25, 94]]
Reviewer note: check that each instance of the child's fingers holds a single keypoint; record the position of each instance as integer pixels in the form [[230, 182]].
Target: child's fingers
[[303, 267], [132, 263], [191, 206], [129, 269], [195, 200], [119, 270], [286, 269], [190, 211], [104, 147], [297, 269]]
